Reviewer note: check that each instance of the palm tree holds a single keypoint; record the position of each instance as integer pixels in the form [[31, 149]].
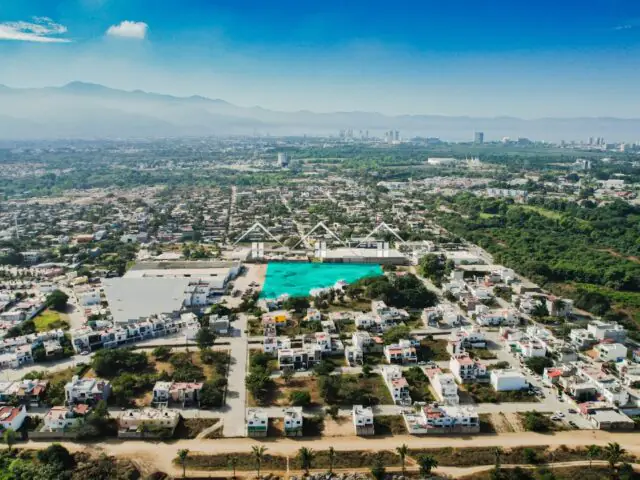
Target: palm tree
[[497, 452], [592, 452], [182, 456], [426, 464], [258, 455], [306, 456], [614, 452], [402, 451], [10, 436], [332, 458], [232, 460]]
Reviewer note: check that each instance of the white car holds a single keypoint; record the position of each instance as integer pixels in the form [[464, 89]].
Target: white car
[[559, 414]]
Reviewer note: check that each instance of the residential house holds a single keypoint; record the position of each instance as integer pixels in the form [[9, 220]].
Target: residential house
[[397, 384], [402, 352], [508, 380], [141, 421], [86, 390], [299, 358], [604, 416], [607, 330], [257, 422], [62, 418], [363, 420], [442, 419], [466, 369], [31, 392], [293, 422], [611, 352], [12, 417], [444, 385], [313, 315]]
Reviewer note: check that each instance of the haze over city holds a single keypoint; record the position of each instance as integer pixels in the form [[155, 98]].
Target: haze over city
[[440, 58]]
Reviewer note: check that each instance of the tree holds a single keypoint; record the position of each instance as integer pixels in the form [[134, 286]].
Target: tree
[[10, 437], [538, 364], [287, 375], [299, 304], [613, 452], [162, 352], [332, 458], [205, 338], [497, 452], [300, 398], [402, 451], [232, 461], [56, 454], [426, 464], [395, 334], [540, 310], [258, 452], [377, 469], [306, 456], [593, 451], [367, 370], [183, 454], [57, 300]]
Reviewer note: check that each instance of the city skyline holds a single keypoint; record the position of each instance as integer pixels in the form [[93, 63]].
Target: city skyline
[[424, 58]]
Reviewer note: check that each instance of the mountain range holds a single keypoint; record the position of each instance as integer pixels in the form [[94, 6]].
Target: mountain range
[[91, 111]]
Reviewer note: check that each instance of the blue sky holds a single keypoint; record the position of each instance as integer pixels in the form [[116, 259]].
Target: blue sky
[[457, 57]]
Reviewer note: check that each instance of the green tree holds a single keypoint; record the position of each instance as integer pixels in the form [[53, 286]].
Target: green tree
[[56, 454], [287, 375], [300, 398], [378, 470], [331, 454], [306, 457], [162, 352], [593, 451], [258, 452], [57, 300], [232, 461], [402, 451], [613, 452], [426, 463], [538, 364], [205, 338], [10, 437], [183, 454]]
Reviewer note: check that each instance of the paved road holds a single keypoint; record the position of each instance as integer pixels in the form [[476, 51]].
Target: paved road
[[234, 411]]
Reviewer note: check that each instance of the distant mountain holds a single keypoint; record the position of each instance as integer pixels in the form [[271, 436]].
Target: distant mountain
[[87, 110]]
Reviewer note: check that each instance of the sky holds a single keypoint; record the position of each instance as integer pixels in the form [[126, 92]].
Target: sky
[[477, 58]]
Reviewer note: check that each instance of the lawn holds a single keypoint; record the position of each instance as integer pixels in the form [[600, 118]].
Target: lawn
[[51, 320]]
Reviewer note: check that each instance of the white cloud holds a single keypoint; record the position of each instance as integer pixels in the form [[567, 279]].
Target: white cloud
[[128, 29], [41, 29]]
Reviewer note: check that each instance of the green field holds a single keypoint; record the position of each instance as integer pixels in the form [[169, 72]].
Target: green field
[[50, 320]]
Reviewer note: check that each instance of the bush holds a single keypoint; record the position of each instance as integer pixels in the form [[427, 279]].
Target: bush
[[538, 364], [162, 353], [109, 363], [300, 398], [535, 422]]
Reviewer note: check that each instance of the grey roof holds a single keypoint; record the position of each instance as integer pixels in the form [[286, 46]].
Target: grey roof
[[133, 298]]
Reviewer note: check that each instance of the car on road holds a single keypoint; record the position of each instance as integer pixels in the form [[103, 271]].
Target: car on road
[[559, 414], [573, 424], [572, 410], [84, 352]]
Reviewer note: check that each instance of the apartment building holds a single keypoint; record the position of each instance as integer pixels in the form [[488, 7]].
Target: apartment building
[[363, 420], [299, 358], [442, 419], [397, 384], [402, 352], [139, 420], [445, 387], [508, 380], [466, 369]]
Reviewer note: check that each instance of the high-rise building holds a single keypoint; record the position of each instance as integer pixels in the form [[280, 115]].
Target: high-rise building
[[283, 159], [478, 137]]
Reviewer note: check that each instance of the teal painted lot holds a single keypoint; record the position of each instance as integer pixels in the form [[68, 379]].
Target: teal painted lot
[[298, 279]]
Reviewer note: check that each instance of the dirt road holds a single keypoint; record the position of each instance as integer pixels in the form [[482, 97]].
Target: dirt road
[[160, 455]]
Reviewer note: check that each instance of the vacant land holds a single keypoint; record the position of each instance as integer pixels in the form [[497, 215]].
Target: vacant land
[[433, 350], [484, 393], [279, 394], [51, 320]]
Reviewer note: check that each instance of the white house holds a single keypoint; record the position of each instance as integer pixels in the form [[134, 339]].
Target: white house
[[12, 417], [397, 384], [362, 420], [61, 418], [465, 369], [402, 352], [603, 330], [257, 422], [508, 380], [446, 388], [611, 352], [86, 390], [313, 315], [440, 419]]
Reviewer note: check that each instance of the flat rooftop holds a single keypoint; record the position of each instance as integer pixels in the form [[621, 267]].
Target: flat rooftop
[[133, 298]]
